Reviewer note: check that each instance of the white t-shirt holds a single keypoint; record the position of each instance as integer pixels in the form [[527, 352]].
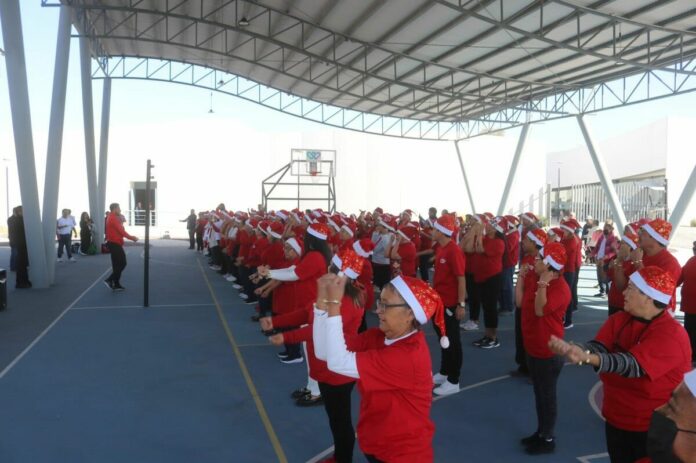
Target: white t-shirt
[[65, 225]]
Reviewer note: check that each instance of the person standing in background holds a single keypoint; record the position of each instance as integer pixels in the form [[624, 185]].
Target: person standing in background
[[65, 229], [85, 233], [11, 235], [114, 240], [19, 242], [191, 227]]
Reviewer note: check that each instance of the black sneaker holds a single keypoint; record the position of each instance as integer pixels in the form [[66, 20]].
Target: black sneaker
[[529, 440], [480, 342], [118, 287], [301, 392], [309, 400], [600, 294], [109, 284], [490, 344], [282, 355], [289, 360], [568, 326], [541, 446]]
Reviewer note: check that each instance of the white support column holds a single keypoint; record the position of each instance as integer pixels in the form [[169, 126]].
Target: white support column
[[513, 170], [55, 141], [466, 182], [11, 24], [88, 120], [103, 157], [683, 202], [604, 177]]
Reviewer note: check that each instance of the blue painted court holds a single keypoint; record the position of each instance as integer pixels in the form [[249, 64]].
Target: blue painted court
[[87, 375]]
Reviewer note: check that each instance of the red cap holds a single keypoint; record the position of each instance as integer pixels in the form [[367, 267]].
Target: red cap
[[424, 302], [555, 255], [654, 283]]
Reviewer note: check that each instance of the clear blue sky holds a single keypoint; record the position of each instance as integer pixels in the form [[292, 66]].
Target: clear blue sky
[[136, 101]]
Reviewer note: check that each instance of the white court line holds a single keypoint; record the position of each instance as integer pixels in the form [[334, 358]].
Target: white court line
[[48, 328], [328, 451], [589, 458], [158, 306]]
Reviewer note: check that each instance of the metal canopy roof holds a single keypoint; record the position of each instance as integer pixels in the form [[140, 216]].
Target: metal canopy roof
[[477, 65]]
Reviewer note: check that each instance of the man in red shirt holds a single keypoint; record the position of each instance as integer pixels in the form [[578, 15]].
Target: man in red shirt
[[571, 271], [688, 299], [450, 283], [114, 240]]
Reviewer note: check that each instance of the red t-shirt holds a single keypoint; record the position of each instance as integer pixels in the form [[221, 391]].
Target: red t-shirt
[[365, 279], [407, 253], [615, 296], [309, 270], [572, 247], [490, 262], [274, 255], [396, 395], [115, 231], [512, 245], [536, 331], [667, 262], [257, 249], [449, 264], [662, 349], [688, 282]]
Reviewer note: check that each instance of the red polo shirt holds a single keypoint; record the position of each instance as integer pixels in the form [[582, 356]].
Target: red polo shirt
[[407, 253], [667, 262], [572, 247], [688, 282], [512, 244], [615, 296], [662, 349], [490, 263], [309, 270], [449, 264], [536, 331]]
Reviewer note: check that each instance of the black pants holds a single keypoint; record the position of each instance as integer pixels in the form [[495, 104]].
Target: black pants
[[192, 239], [570, 278], [199, 241], [424, 267], [613, 310], [380, 274], [625, 446], [21, 265], [690, 326], [265, 304], [490, 291], [216, 255], [544, 374], [65, 241], [603, 282], [118, 262], [520, 354], [451, 358], [473, 295], [85, 240], [337, 406]]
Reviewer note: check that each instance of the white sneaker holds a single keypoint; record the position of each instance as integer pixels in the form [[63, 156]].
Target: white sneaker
[[446, 388], [236, 286], [243, 296], [60, 259], [72, 259], [230, 277], [469, 325], [439, 379]]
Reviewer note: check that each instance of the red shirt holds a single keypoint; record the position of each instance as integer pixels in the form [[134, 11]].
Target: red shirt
[[572, 247], [490, 262], [407, 253], [536, 331], [257, 249], [667, 262], [365, 279], [115, 231], [309, 270], [396, 395], [274, 255], [449, 265], [512, 245], [615, 296], [688, 282], [662, 349]]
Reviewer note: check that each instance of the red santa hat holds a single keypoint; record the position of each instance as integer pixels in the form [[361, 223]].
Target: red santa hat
[[446, 225], [319, 230], [295, 242], [481, 218], [500, 224], [349, 227], [379, 210], [283, 214], [349, 263], [253, 223], [570, 225], [388, 222], [364, 247], [336, 222], [297, 214], [554, 234], [424, 302], [631, 239], [317, 213], [275, 229], [655, 283], [555, 256], [530, 217], [633, 227], [262, 226], [538, 237], [660, 230]]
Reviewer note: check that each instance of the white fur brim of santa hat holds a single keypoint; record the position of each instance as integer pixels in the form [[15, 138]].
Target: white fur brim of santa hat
[[295, 245], [386, 225], [337, 261], [497, 227], [360, 251], [316, 234], [629, 242], [442, 229], [659, 238], [415, 306], [282, 215], [648, 290], [403, 235], [536, 240], [548, 260], [334, 224], [347, 229], [690, 381], [350, 273], [529, 218], [567, 228]]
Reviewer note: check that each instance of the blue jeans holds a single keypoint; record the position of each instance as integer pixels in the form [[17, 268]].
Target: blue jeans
[[64, 240], [507, 290]]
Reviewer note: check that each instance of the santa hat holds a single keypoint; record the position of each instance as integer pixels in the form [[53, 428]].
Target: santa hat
[[555, 234], [349, 227], [690, 382], [481, 218], [633, 227], [319, 230], [253, 223], [349, 263], [500, 224], [388, 222], [424, 302], [555, 256], [530, 217], [660, 230], [570, 225], [631, 240], [512, 221], [379, 210], [364, 247], [296, 243], [654, 283], [336, 221], [446, 225], [283, 214], [538, 237], [262, 226], [275, 229], [318, 213]]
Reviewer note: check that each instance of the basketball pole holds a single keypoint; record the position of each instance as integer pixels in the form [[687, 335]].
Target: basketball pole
[[146, 260]]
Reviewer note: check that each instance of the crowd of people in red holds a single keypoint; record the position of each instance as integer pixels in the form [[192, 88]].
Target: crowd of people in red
[[313, 276]]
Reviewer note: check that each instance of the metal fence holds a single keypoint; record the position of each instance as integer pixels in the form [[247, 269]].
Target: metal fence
[[539, 203]]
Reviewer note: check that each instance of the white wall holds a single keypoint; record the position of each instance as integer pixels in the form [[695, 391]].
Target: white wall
[[681, 160]]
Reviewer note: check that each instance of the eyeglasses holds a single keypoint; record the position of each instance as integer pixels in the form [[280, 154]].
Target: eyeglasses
[[382, 306]]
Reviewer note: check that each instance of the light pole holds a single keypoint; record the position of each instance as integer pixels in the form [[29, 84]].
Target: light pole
[[558, 189]]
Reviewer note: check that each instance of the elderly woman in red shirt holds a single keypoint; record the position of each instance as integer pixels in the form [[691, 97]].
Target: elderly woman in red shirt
[[391, 363], [641, 355]]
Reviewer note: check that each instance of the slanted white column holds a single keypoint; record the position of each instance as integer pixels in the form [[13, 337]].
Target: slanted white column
[[88, 120], [103, 161], [11, 24], [466, 182], [683, 202], [513, 170], [604, 177], [55, 141]]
